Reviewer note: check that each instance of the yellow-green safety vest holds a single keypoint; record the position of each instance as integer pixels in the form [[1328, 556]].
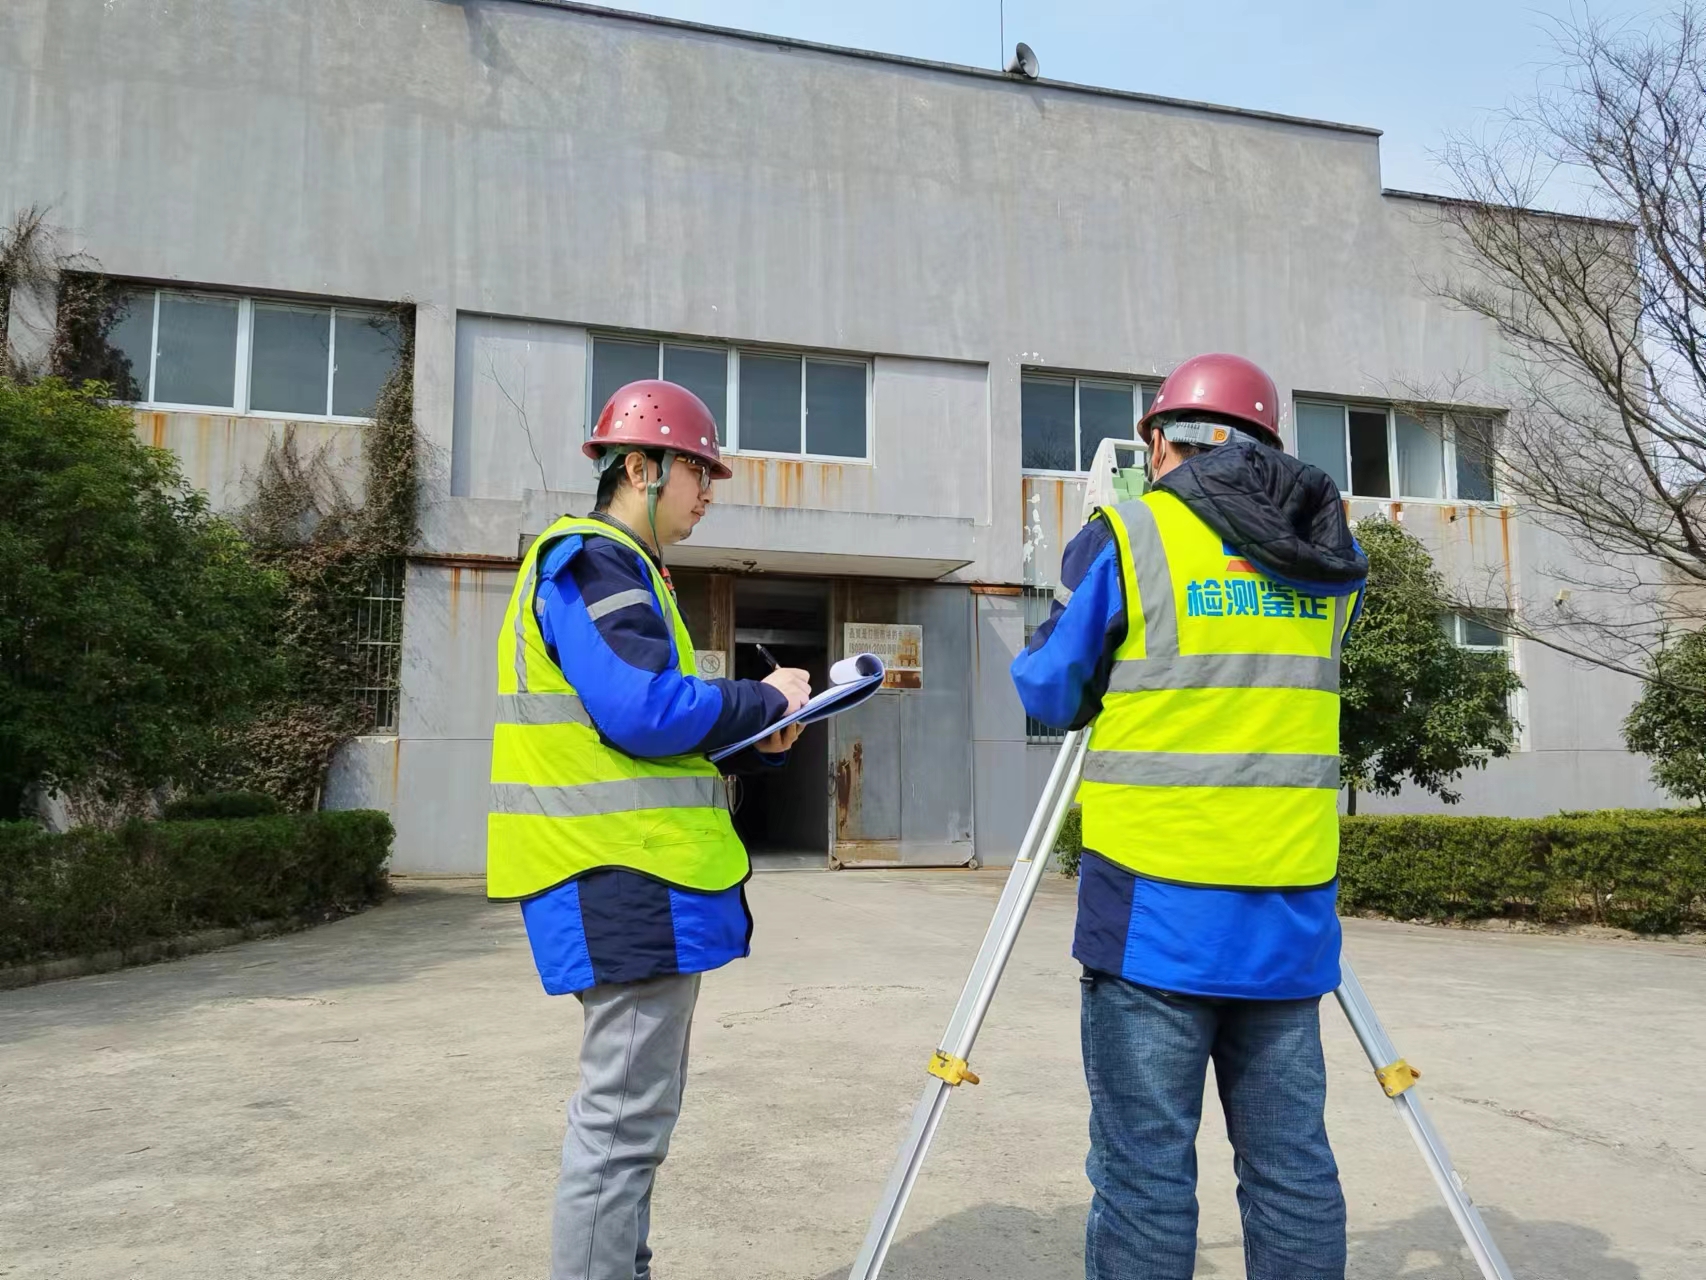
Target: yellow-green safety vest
[[565, 802], [1215, 758]]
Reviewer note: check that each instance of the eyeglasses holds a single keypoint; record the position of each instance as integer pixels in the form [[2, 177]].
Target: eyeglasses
[[700, 471]]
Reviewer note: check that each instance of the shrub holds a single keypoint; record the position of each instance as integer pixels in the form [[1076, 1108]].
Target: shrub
[[1666, 723], [223, 804], [91, 890], [1617, 867], [135, 626], [1637, 869], [1691, 811], [1070, 842]]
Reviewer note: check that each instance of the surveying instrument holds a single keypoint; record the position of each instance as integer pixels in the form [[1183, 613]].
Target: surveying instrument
[[1110, 484]]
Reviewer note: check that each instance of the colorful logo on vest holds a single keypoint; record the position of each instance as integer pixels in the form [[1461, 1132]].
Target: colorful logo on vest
[[1246, 593]]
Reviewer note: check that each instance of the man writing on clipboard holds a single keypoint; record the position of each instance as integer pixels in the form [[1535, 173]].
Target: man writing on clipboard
[[609, 824]]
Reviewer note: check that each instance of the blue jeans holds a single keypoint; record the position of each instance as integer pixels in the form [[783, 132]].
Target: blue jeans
[[1146, 1056]]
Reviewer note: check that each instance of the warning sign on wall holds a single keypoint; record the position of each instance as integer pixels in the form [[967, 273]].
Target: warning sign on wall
[[899, 645]]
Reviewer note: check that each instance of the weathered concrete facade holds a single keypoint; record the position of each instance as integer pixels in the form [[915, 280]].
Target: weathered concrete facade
[[530, 174]]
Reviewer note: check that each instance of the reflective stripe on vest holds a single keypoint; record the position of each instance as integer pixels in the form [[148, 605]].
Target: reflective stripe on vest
[[1215, 758], [1211, 769], [564, 801], [628, 795], [542, 708]]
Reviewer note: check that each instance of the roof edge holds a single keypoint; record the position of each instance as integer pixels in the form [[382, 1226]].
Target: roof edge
[[946, 68], [1395, 193]]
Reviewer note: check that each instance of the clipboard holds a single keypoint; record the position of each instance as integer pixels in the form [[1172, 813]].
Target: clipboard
[[851, 681]]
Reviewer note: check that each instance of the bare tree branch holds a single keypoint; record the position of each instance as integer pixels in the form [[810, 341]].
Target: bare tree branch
[[520, 407], [1603, 436]]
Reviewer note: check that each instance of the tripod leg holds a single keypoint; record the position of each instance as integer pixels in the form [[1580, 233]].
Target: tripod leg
[[1397, 1077], [948, 1067]]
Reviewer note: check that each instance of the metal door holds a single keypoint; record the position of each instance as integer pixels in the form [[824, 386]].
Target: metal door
[[902, 763]]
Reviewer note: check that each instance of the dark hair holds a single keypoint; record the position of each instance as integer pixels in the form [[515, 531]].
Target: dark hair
[[608, 480], [611, 478]]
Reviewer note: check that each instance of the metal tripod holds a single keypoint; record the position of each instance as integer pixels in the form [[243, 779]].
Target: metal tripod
[[949, 1067]]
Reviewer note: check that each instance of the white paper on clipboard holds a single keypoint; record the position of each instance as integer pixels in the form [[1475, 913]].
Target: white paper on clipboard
[[851, 681]]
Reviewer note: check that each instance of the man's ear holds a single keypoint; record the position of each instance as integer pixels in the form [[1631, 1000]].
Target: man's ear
[[635, 465]]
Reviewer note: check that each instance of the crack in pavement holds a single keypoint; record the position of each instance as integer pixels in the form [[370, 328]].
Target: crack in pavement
[[813, 997], [1662, 1151]]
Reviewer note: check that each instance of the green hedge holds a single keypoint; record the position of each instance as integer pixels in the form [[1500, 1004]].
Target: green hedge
[[1069, 842], [1690, 812], [88, 890], [222, 804], [1618, 867], [1637, 869]]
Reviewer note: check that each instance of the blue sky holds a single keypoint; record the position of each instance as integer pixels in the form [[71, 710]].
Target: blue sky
[[1417, 69]]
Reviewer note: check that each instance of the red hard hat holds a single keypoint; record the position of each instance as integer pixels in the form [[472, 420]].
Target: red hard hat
[[653, 414], [1219, 384]]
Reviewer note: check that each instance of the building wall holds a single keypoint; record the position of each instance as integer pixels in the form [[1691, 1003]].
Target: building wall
[[521, 413], [529, 172], [223, 454], [434, 776], [534, 161]]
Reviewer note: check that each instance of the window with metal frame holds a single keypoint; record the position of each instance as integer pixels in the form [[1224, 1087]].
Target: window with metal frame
[[1375, 451], [1483, 637], [1491, 635], [377, 642], [1063, 419], [787, 403], [1038, 601], [177, 349]]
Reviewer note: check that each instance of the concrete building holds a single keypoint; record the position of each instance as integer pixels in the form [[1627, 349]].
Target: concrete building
[[915, 294]]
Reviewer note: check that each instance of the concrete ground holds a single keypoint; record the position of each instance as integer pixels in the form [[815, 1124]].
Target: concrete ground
[[382, 1097]]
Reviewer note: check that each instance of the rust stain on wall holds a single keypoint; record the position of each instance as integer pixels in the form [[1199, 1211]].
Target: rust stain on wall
[[484, 600], [1505, 542], [850, 853], [829, 485], [849, 778], [786, 482], [455, 595], [790, 484]]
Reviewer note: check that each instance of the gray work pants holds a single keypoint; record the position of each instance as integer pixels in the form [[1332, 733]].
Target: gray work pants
[[633, 1070]]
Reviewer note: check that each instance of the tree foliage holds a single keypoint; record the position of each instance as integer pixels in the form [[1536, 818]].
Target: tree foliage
[[1668, 724], [299, 566], [134, 627], [1415, 707]]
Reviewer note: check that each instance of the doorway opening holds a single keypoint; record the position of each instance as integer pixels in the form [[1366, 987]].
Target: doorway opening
[[782, 814]]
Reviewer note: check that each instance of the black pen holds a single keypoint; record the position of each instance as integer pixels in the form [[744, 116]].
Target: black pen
[[774, 665]]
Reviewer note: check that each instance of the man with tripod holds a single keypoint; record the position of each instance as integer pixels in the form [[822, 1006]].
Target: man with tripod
[[1198, 631]]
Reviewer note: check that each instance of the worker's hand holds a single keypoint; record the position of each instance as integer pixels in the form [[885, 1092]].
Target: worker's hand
[[778, 743], [795, 685]]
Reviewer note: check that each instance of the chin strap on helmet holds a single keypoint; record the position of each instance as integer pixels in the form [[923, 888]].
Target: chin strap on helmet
[[611, 457], [652, 491]]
